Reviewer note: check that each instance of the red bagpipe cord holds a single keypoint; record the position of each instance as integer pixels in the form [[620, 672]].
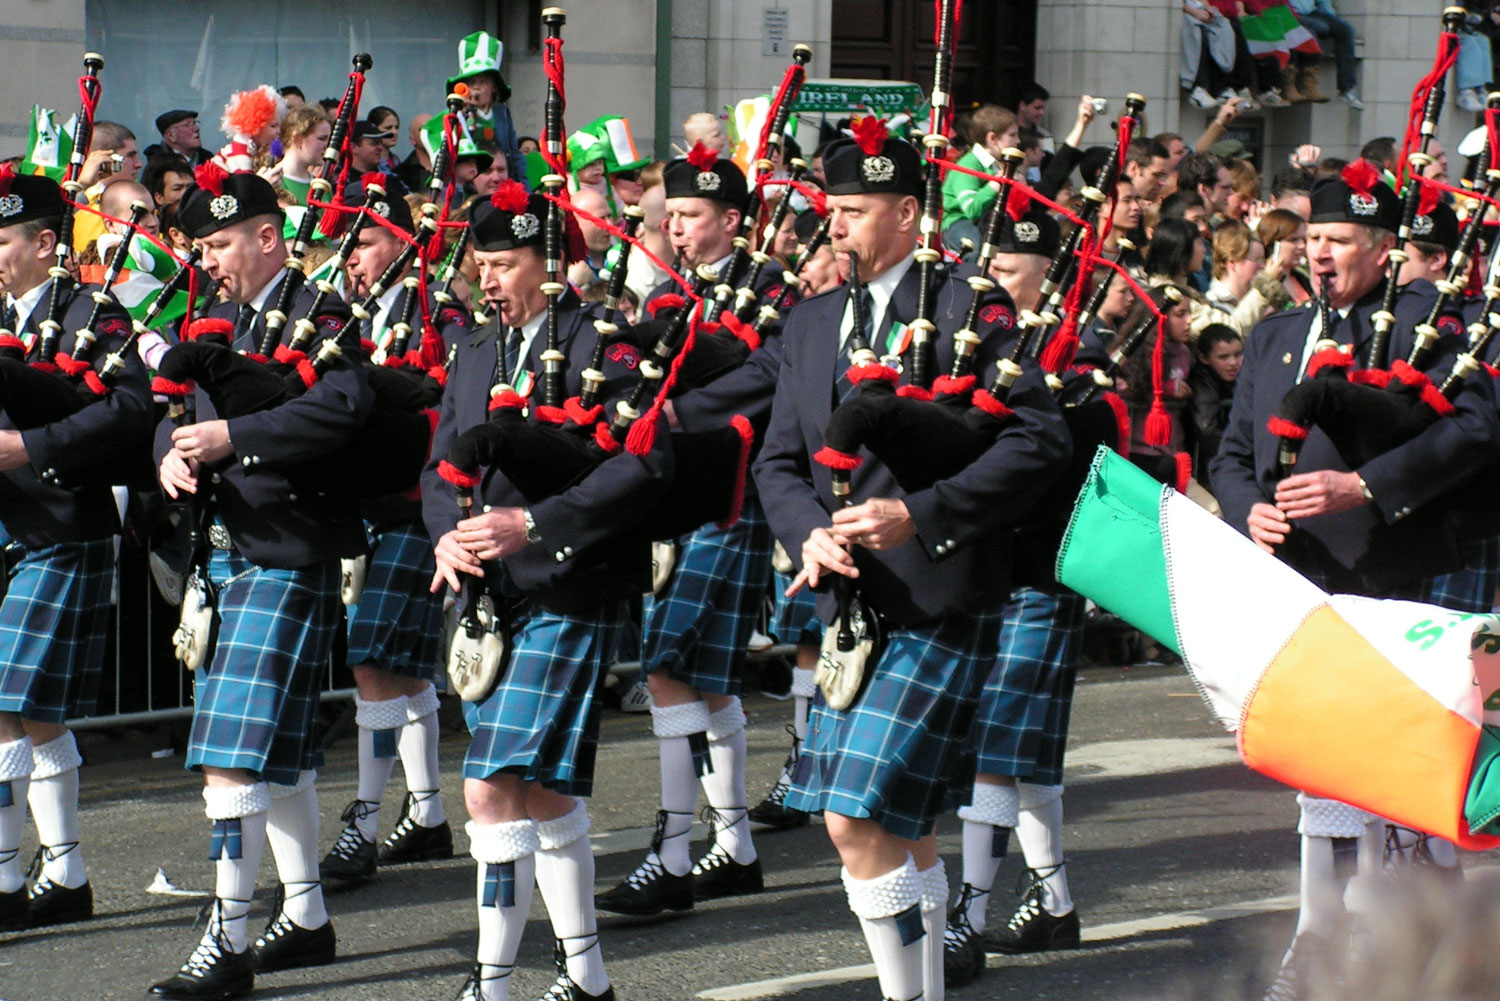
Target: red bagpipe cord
[[1447, 56], [329, 224]]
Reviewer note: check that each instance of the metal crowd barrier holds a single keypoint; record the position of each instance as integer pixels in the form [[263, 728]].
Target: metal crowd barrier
[[143, 684]]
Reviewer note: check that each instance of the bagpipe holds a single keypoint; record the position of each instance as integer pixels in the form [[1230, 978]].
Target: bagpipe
[[933, 428], [730, 289], [571, 437], [1366, 411], [725, 337], [56, 384], [326, 187], [387, 453]]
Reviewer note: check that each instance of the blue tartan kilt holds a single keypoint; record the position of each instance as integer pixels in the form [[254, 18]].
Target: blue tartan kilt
[[794, 619], [53, 623], [891, 756], [1471, 589], [257, 701], [698, 630], [542, 721], [398, 624], [1022, 726]]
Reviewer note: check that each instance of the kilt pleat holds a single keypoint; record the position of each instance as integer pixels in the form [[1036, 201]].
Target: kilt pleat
[[891, 756], [256, 703], [542, 721], [398, 624], [1021, 729], [53, 624], [698, 629]]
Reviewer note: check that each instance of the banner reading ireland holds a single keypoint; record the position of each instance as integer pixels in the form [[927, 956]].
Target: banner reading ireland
[[1386, 705]]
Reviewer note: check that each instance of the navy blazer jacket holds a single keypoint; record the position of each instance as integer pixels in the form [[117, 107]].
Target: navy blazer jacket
[[1405, 535], [59, 495], [272, 521], [585, 519], [960, 558]]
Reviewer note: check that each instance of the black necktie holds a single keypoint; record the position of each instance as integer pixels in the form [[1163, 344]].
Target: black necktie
[[243, 321], [512, 354], [842, 388]]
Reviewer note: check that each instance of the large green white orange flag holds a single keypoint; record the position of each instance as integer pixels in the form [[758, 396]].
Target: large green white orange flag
[[1390, 706]]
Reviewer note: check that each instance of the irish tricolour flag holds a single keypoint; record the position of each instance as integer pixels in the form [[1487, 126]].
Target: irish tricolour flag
[[1385, 705], [1276, 32]]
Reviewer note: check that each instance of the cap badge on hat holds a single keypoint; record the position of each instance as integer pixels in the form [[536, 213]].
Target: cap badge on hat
[[1028, 232], [11, 205], [877, 169], [525, 226], [1421, 225], [1362, 204], [382, 209], [871, 133], [224, 206], [708, 181]]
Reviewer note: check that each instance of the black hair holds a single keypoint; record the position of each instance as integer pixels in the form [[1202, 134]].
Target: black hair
[[1142, 151], [292, 90], [1198, 168], [1215, 334], [1031, 92], [1291, 179], [1379, 151], [154, 177], [1176, 205], [1170, 252], [379, 112]]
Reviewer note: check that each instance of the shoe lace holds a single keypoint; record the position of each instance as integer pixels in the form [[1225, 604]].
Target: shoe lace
[[661, 836], [563, 987], [37, 869], [646, 873], [960, 930], [473, 987], [358, 809], [1029, 888], [214, 945], [716, 858], [348, 845], [407, 822], [1418, 851], [281, 925]]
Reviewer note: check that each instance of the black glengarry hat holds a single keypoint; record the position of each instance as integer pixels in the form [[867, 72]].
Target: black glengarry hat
[[703, 173], [222, 199], [1357, 195], [28, 197], [392, 208], [1027, 228], [872, 162], [508, 219]]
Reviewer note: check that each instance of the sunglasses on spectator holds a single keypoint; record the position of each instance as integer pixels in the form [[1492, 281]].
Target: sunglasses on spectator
[[627, 175]]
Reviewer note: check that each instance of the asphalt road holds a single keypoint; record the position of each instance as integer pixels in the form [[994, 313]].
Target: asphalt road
[[1181, 860]]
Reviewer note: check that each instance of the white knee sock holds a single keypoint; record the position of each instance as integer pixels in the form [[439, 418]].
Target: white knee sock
[[988, 819], [678, 729], [1039, 829], [934, 923], [15, 778], [292, 828], [506, 877], [239, 839], [380, 723], [890, 914], [565, 875], [803, 690], [419, 758], [53, 797], [724, 787], [1331, 835]]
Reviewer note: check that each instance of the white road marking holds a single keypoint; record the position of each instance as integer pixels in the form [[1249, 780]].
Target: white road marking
[[781, 986]]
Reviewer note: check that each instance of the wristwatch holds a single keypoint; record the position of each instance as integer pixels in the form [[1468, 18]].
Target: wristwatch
[[532, 535], [1364, 488]]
